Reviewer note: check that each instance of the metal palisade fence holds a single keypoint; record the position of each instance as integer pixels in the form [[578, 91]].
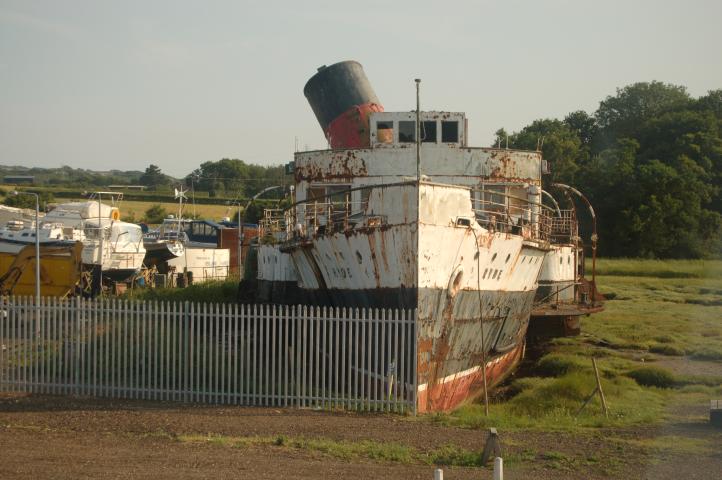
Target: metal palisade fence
[[261, 355]]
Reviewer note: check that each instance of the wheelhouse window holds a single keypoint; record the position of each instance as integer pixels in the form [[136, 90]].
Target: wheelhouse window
[[449, 132], [385, 132], [407, 132], [428, 132]]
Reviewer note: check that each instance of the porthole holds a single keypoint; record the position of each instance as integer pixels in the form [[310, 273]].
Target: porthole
[[486, 270], [507, 258], [455, 282], [493, 257]]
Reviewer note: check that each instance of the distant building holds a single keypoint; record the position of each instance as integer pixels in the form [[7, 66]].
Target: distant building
[[128, 187], [19, 179]]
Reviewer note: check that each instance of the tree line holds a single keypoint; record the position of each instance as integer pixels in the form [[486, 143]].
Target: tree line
[[649, 160]]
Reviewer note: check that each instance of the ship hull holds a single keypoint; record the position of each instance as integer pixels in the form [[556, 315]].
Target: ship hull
[[473, 288]]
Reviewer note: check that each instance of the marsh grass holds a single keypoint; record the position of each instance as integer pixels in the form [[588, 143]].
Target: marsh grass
[[669, 308], [635, 267]]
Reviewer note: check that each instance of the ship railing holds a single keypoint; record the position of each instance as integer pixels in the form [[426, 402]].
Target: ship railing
[[564, 227], [515, 215], [314, 217]]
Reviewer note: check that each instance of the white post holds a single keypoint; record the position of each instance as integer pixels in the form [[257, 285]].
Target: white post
[[498, 468], [438, 474]]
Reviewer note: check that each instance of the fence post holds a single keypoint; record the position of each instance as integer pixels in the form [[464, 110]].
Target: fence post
[[415, 359], [438, 474], [186, 347]]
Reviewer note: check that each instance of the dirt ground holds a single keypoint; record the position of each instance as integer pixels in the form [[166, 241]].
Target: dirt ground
[[59, 437]]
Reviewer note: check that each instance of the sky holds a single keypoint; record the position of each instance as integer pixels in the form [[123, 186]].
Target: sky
[[120, 85]]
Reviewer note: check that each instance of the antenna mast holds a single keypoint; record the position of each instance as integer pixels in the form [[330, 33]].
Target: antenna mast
[[418, 131]]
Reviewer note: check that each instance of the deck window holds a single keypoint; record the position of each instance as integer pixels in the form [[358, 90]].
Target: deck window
[[407, 132], [428, 132], [449, 132], [385, 132]]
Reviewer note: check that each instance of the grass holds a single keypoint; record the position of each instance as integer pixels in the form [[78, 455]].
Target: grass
[[670, 444], [635, 267], [653, 377], [447, 455], [214, 291], [134, 211], [657, 309]]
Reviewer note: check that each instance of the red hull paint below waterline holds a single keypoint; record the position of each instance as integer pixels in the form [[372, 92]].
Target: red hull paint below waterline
[[451, 392]]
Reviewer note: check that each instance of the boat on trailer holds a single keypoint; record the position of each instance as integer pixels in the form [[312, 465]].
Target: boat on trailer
[[110, 246], [401, 212]]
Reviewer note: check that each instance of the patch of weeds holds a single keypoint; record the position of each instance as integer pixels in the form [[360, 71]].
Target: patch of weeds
[[552, 455], [653, 377], [556, 364], [526, 455], [710, 333], [391, 452], [706, 354], [454, 456], [522, 384], [664, 339], [666, 349], [709, 381], [557, 460]]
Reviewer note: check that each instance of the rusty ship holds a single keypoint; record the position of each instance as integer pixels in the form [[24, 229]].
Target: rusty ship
[[401, 212]]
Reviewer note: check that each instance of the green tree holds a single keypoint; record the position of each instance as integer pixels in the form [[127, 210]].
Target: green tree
[[650, 161], [235, 177], [155, 214], [28, 201], [620, 115], [559, 144], [154, 178]]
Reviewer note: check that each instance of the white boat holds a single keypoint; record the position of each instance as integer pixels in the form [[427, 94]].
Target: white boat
[[17, 234], [109, 244], [203, 264], [191, 248]]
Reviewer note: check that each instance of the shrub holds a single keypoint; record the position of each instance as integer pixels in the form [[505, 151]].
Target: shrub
[[155, 214]]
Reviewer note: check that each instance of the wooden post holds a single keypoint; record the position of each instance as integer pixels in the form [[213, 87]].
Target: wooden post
[[438, 474], [492, 447], [599, 388]]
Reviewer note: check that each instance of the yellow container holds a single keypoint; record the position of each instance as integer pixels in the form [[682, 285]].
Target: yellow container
[[60, 270]]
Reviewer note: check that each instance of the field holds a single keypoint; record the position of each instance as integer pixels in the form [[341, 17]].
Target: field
[[133, 211], [658, 345]]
